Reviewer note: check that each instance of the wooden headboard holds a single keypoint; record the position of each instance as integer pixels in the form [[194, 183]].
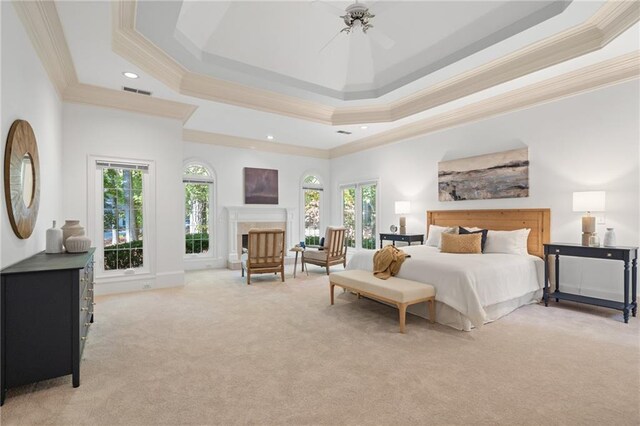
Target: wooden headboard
[[539, 220]]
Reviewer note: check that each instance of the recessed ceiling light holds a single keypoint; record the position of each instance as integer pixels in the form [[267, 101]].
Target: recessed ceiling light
[[364, 127], [270, 137], [130, 74]]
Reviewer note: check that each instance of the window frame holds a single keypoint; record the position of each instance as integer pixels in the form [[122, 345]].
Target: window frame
[[322, 201], [95, 220], [211, 181], [358, 209]]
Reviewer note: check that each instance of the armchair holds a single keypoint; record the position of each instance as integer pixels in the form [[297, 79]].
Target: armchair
[[334, 251], [265, 253]]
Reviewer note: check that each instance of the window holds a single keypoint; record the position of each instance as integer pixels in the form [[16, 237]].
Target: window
[[123, 215], [198, 193], [312, 198], [359, 207]]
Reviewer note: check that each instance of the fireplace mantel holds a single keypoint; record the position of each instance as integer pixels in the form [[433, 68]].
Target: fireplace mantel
[[241, 214]]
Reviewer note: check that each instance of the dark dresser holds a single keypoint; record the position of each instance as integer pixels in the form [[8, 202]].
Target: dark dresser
[[47, 308]]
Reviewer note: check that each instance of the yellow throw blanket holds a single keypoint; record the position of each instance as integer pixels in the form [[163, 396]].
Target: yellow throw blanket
[[387, 262]]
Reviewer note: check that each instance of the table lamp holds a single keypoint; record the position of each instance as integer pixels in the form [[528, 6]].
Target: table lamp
[[588, 201], [403, 207]]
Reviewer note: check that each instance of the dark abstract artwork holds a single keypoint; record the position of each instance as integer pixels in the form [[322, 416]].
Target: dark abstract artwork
[[499, 175], [260, 186]]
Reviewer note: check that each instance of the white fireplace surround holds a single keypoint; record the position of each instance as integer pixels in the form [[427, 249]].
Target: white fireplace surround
[[257, 214]]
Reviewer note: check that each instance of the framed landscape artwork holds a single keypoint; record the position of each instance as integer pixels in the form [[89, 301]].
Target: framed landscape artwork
[[498, 175], [260, 186]]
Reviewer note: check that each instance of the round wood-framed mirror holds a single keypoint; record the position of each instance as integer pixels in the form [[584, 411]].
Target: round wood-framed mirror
[[22, 178]]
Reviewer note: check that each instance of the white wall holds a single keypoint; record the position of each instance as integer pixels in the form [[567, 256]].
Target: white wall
[[587, 142], [97, 131], [228, 164], [28, 94]]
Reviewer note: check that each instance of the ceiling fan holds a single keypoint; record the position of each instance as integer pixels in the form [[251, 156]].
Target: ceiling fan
[[357, 16]]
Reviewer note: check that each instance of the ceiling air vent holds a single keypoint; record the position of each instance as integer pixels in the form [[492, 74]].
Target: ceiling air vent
[[132, 90], [343, 132]]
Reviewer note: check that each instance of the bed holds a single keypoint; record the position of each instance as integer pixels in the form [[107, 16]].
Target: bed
[[475, 289]]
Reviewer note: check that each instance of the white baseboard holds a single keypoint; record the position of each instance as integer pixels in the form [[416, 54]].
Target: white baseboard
[[203, 263], [142, 283]]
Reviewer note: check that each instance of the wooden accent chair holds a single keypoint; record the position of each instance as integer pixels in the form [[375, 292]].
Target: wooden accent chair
[[334, 251], [265, 253]]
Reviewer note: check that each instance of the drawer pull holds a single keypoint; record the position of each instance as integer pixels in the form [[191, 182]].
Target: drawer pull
[[609, 255], [84, 309], [90, 290], [557, 250], [93, 303], [83, 338], [82, 280], [87, 324], [87, 298]]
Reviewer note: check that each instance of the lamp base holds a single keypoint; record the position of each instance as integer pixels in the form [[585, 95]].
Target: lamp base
[[403, 225]]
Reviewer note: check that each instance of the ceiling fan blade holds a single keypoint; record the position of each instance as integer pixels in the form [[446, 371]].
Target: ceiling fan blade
[[380, 38], [327, 8], [329, 42]]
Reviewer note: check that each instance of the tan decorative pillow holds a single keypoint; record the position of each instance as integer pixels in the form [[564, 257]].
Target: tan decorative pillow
[[469, 243]]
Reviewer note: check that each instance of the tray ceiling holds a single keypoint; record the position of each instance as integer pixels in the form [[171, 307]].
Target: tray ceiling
[[275, 45]]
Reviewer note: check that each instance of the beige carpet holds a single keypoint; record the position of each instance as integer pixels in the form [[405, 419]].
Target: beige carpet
[[221, 352]]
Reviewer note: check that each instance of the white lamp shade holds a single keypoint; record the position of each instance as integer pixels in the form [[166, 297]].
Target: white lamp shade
[[588, 201], [403, 207]]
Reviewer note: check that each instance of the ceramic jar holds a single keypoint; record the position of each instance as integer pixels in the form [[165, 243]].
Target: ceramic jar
[[77, 244], [610, 238], [54, 239], [71, 228]]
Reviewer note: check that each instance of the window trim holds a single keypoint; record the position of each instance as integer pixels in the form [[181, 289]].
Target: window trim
[[323, 200], [95, 216], [213, 193], [358, 229]]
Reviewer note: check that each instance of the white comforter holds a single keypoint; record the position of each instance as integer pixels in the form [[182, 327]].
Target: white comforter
[[467, 282]]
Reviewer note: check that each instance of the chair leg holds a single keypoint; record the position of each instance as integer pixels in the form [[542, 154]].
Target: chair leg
[[282, 272], [327, 269], [306, 268], [248, 277], [331, 286], [242, 271]]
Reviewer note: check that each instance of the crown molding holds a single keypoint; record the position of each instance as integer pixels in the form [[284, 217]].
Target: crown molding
[[42, 24], [205, 87], [613, 18], [198, 136], [100, 96], [130, 44], [606, 73]]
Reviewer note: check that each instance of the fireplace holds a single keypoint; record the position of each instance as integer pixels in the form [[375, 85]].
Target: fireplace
[[242, 219]]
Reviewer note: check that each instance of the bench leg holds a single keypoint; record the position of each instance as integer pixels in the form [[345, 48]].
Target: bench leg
[[331, 286], [432, 311], [402, 308]]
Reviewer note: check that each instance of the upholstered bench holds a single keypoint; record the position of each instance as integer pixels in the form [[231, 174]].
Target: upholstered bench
[[397, 291]]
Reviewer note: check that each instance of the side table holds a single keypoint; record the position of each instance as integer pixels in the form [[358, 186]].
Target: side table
[[297, 250], [628, 255], [408, 238]]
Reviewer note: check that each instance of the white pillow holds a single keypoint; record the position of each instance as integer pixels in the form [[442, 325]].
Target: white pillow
[[510, 242], [435, 232]]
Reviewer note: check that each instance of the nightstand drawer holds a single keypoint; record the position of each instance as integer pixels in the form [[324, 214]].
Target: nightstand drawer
[[592, 252]]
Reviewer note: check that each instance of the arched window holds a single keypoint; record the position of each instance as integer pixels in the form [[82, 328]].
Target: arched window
[[198, 200], [312, 208]]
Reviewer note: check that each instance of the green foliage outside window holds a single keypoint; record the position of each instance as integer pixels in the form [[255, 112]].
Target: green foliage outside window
[[123, 221], [196, 210], [349, 215]]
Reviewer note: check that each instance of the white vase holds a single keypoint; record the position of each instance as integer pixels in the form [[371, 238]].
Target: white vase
[[71, 228], [610, 238], [54, 239], [78, 244]]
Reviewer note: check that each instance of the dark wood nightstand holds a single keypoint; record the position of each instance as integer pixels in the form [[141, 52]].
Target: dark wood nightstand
[[628, 255], [407, 238]]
